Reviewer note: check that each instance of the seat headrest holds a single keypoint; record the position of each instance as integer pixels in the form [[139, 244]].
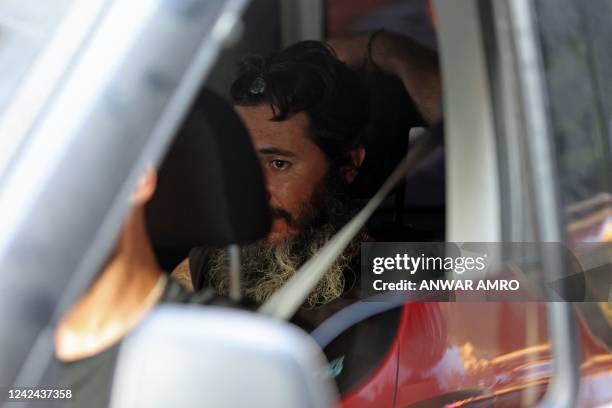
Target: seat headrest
[[210, 187]]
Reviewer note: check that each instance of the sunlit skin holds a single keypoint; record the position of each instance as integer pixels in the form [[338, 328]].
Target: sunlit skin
[[122, 294], [294, 166]]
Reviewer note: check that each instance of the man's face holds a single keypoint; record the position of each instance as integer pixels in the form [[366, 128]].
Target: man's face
[[293, 165]]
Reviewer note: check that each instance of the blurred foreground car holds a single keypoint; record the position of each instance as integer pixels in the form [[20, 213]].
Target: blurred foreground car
[[527, 120]]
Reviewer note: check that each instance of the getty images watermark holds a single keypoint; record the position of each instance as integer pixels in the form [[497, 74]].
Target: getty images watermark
[[487, 271]]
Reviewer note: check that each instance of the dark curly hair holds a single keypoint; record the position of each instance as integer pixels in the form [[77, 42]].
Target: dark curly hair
[[307, 77]]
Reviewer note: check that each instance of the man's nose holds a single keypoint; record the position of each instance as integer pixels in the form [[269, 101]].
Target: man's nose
[[272, 196], [269, 190], [267, 183]]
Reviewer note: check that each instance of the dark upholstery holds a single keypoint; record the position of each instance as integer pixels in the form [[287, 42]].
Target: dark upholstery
[[210, 188]]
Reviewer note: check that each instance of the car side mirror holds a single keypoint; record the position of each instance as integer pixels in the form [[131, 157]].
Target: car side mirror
[[193, 355]]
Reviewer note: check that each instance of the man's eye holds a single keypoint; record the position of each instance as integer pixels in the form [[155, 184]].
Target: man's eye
[[279, 164]]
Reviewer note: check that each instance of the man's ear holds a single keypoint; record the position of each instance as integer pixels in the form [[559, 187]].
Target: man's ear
[[349, 173], [145, 187]]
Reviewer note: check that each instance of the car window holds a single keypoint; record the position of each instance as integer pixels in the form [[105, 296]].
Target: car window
[[576, 38]]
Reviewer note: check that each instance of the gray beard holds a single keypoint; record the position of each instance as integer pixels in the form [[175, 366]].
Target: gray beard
[[266, 266]]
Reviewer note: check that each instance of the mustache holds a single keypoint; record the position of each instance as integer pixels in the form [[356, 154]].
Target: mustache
[[277, 213]]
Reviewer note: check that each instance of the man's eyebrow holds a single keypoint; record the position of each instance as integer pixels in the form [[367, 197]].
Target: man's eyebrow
[[276, 151]]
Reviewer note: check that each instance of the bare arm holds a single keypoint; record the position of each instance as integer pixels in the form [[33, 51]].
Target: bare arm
[[416, 66], [182, 274]]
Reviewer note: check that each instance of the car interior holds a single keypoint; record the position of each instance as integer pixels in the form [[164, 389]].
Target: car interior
[[211, 191], [193, 181]]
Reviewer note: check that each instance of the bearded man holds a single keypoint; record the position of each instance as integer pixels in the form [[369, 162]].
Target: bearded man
[[306, 112]]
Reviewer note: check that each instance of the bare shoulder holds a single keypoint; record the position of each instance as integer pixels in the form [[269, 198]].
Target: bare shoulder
[[182, 274]]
